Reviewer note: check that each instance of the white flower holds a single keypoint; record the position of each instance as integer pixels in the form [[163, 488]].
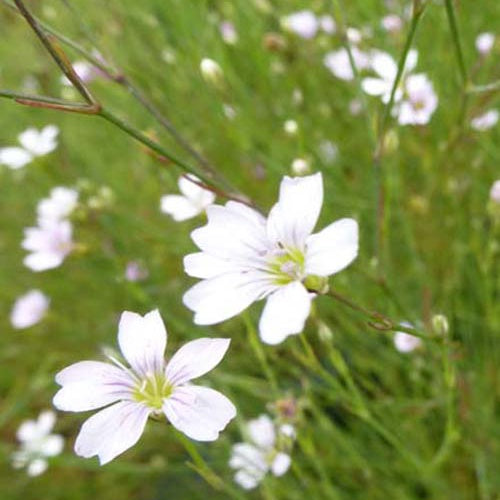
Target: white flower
[[303, 23], [37, 443], [392, 23], [246, 257], [300, 166], [485, 42], [34, 143], [49, 243], [419, 103], [193, 201], [291, 127], [485, 121], [29, 309], [328, 151], [149, 387], [327, 24], [254, 460], [228, 32], [386, 68], [339, 64], [495, 192], [404, 342], [211, 71], [58, 206], [354, 35]]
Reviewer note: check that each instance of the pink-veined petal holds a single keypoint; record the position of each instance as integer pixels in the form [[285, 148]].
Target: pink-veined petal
[[333, 248], [142, 341], [199, 412], [111, 431], [285, 313], [195, 359]]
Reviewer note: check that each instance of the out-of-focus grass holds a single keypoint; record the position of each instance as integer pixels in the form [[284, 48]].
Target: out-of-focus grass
[[439, 246]]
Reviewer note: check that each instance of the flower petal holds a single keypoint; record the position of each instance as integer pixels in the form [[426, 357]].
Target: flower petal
[[199, 412], [220, 298], [293, 218], [142, 341], [385, 66], [203, 265], [43, 261], [111, 431], [15, 158], [195, 359], [179, 207], [285, 313], [281, 464], [333, 248], [261, 431], [375, 86]]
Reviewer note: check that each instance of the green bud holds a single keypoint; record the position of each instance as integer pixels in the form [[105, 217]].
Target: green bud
[[317, 284], [440, 324]]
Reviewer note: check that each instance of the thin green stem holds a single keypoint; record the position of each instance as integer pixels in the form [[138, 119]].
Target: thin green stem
[[450, 12]]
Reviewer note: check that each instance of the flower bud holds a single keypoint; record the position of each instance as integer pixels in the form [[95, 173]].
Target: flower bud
[[211, 71], [300, 166], [440, 324]]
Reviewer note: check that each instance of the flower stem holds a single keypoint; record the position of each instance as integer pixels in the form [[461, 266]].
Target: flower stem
[[450, 12]]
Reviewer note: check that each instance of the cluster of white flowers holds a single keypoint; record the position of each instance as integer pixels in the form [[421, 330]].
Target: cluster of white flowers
[[266, 450], [34, 143], [37, 443], [51, 240]]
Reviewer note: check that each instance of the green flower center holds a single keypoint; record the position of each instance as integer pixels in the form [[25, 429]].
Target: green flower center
[[287, 265], [153, 390]]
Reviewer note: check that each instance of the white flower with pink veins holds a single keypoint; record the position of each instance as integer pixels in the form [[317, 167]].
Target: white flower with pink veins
[[49, 243], [149, 387], [245, 257]]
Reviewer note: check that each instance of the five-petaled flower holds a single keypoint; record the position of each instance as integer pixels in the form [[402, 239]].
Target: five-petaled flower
[[149, 387], [245, 257]]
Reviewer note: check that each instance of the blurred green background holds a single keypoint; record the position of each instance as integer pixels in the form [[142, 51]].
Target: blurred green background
[[440, 250]]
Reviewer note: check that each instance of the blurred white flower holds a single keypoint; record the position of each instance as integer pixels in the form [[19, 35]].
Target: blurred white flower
[[37, 444], [328, 151], [339, 64], [245, 257], [58, 206], [193, 201], [419, 103], [404, 342], [85, 71], [149, 387], [211, 71], [291, 127], [392, 23], [327, 24], [49, 243], [34, 143], [300, 166], [355, 107], [484, 43], [303, 23], [228, 32], [354, 35], [135, 271], [29, 309], [485, 121], [386, 68], [495, 192], [263, 454]]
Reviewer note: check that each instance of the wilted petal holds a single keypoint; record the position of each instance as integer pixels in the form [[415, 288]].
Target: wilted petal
[[143, 340], [293, 218], [333, 248], [220, 298], [199, 412], [285, 313], [194, 359], [111, 431]]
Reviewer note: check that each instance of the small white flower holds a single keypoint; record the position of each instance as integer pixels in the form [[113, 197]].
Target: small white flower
[[29, 309], [485, 121], [58, 206], [49, 244], [404, 342], [386, 68], [495, 192], [328, 151], [291, 127], [300, 166], [246, 257], [327, 24], [150, 386], [354, 35], [262, 454], [37, 444], [34, 143], [392, 23], [135, 271], [228, 32], [484, 43], [193, 201], [303, 23], [211, 71], [339, 64], [419, 102]]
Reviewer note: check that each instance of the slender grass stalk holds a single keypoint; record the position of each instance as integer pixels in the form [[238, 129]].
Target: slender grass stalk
[[450, 12]]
